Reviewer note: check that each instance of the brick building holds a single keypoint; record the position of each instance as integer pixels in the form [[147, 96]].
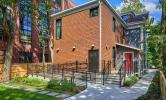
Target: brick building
[[27, 45], [94, 31]]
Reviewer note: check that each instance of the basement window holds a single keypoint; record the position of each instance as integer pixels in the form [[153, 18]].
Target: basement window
[[94, 12]]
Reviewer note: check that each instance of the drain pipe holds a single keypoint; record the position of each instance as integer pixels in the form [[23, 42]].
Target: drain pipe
[[100, 35]]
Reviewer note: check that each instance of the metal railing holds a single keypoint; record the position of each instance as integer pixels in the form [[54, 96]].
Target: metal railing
[[122, 74]]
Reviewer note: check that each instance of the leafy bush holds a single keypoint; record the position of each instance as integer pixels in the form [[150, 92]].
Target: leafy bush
[[153, 92], [62, 85], [130, 81], [30, 81]]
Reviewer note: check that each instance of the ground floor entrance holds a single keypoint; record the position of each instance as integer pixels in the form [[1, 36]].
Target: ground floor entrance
[[128, 58], [93, 59]]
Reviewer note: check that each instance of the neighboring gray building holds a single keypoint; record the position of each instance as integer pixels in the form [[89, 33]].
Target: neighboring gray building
[[136, 35]]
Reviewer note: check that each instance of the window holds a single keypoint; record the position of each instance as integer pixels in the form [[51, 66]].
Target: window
[[114, 25], [25, 23], [58, 29], [43, 24], [41, 57], [113, 57], [25, 57], [125, 18], [94, 12]]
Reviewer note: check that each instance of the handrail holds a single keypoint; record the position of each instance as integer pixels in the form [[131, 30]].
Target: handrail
[[120, 72]]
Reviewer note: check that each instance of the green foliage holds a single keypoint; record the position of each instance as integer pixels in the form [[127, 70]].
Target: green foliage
[[56, 85], [30, 81], [62, 85], [134, 5], [154, 45], [130, 81], [154, 89]]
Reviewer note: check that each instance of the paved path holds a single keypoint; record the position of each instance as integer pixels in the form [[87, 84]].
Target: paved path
[[99, 92]]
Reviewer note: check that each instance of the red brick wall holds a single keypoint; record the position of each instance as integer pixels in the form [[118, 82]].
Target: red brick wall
[[109, 38], [79, 30]]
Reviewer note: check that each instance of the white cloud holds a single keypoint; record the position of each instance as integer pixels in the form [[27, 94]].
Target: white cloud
[[150, 6]]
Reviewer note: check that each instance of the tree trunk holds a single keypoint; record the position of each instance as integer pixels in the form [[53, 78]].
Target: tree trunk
[[8, 31], [8, 59]]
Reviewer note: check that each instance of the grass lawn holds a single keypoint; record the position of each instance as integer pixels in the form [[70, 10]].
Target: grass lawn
[[14, 94], [54, 85]]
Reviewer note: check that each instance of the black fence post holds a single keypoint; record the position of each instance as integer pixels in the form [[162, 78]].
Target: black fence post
[[52, 67], [62, 72], [73, 76], [86, 79], [36, 70], [120, 77], [76, 66], [104, 73], [124, 70], [44, 71], [95, 76], [32, 70], [27, 69]]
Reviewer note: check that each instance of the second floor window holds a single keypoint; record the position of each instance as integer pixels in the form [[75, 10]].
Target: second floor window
[[58, 29], [113, 24], [94, 12]]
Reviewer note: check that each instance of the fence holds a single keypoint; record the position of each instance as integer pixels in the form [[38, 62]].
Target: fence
[[76, 72], [1, 68], [163, 85], [15, 71]]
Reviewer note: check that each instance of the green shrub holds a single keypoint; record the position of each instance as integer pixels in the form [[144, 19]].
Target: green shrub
[[30, 81], [130, 81], [153, 92], [61, 85]]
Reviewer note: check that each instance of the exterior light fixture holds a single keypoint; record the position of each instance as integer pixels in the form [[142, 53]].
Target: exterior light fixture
[[92, 46], [107, 46], [74, 48], [57, 50]]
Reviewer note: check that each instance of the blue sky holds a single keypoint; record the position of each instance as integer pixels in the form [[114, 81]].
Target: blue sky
[[150, 5]]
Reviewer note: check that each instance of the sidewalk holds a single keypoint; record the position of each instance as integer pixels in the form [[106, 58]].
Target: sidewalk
[[100, 92]]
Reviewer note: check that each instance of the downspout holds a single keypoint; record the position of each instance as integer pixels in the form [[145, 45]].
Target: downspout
[[100, 35]]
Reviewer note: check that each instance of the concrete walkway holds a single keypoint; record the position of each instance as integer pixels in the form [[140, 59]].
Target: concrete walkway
[[99, 92]]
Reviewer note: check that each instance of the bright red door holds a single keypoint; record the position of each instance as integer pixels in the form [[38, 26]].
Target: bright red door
[[128, 62]]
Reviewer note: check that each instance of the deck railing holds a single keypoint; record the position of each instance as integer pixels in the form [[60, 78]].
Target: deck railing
[[163, 85]]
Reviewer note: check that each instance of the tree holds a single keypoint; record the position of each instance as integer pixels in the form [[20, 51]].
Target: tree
[[8, 26], [154, 40], [163, 31], [134, 5]]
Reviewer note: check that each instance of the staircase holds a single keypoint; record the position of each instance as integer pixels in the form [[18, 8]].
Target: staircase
[[113, 79]]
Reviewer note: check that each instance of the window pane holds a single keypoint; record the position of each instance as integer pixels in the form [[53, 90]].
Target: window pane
[[94, 12], [114, 24], [59, 29], [25, 22]]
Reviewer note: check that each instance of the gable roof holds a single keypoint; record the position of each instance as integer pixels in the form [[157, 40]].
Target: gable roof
[[90, 4], [140, 17]]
